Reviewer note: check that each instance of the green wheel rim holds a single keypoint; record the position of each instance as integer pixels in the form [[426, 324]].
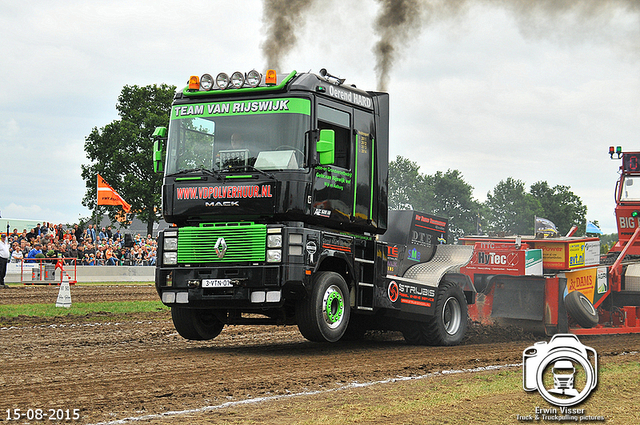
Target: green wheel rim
[[333, 306]]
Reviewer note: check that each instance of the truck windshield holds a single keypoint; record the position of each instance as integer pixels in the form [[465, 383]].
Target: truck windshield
[[630, 189], [267, 134]]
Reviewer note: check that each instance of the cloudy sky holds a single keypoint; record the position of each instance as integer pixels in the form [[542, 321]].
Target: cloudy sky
[[493, 89]]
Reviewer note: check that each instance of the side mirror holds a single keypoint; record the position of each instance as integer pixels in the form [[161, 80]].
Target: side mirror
[[326, 147], [159, 135]]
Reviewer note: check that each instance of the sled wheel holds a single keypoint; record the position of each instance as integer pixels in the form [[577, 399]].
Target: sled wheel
[[197, 325], [449, 323], [324, 315], [580, 308]]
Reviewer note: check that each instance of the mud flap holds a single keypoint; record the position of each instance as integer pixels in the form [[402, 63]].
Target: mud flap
[[518, 297]]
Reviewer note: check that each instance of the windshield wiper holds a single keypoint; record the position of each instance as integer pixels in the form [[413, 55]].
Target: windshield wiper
[[202, 170]]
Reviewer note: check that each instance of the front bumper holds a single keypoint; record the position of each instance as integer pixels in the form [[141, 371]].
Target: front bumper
[[241, 287]]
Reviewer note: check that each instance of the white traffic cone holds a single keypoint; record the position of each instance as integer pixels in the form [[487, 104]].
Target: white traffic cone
[[64, 294]]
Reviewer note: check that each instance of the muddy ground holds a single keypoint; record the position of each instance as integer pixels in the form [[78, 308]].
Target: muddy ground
[[112, 367]]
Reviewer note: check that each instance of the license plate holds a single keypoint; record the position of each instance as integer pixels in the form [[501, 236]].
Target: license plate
[[217, 283]]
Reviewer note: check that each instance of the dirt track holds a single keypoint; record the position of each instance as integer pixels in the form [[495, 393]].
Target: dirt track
[[32, 294], [114, 367]]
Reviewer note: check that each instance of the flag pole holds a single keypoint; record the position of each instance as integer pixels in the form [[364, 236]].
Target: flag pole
[[95, 211]]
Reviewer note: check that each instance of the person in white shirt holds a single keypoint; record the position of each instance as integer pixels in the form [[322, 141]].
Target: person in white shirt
[[16, 253], [4, 259]]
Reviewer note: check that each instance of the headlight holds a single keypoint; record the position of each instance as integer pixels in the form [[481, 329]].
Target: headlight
[[170, 244], [170, 258], [274, 241], [274, 255]]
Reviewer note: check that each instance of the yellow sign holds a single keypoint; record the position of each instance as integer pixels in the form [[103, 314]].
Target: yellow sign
[[582, 280], [576, 255], [553, 255]]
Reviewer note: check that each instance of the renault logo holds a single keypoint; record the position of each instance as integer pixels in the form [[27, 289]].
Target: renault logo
[[221, 247]]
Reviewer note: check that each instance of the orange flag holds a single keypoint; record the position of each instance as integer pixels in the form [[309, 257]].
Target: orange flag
[[108, 196]]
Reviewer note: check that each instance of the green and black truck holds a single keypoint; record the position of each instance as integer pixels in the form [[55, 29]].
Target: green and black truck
[[275, 187]]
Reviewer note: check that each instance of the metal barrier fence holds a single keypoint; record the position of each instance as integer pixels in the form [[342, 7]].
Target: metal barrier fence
[[42, 271]]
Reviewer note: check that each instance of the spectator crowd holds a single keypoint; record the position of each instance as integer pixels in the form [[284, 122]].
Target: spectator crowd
[[87, 247]]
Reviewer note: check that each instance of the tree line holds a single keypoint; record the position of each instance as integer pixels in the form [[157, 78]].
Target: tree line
[[121, 153], [510, 208]]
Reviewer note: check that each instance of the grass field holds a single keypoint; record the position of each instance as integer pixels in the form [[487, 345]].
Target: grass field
[[29, 301], [50, 310]]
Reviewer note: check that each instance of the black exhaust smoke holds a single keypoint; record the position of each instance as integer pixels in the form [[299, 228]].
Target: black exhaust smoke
[[399, 22], [283, 19]]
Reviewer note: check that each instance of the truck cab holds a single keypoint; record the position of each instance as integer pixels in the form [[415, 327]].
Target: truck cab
[[627, 197], [276, 189]]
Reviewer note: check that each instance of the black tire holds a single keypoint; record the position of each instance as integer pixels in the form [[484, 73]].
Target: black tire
[[449, 323], [324, 315], [580, 308], [197, 325]]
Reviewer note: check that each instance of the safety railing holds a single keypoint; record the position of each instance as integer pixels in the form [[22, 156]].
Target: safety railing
[[48, 271]]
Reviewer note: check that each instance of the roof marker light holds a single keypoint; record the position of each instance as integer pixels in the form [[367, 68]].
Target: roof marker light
[[271, 78], [237, 80], [222, 80], [206, 82], [194, 82]]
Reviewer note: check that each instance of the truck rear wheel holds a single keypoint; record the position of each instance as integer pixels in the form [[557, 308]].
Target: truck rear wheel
[[449, 323], [324, 315], [197, 325], [580, 308]]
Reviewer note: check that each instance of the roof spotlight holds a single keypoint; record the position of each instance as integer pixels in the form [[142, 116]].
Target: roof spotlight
[[254, 78], [222, 80], [237, 80], [206, 82]]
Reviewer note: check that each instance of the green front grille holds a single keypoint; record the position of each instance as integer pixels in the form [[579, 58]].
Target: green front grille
[[245, 242]]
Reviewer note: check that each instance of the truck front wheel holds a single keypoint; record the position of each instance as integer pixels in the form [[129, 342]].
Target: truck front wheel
[[324, 315], [197, 325], [449, 323]]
